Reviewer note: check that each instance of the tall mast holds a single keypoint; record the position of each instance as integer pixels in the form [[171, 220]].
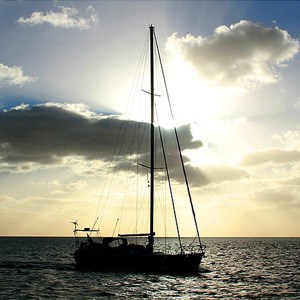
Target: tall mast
[[152, 233]]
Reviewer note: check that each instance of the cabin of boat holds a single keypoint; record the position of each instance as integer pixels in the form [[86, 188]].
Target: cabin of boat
[[117, 254]]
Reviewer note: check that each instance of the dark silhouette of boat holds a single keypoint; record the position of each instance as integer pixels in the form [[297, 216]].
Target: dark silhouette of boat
[[117, 253]]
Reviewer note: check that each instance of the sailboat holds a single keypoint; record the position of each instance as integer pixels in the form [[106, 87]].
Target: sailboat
[[118, 253]]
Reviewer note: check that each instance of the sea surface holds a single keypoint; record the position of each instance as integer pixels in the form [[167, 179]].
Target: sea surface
[[234, 268]]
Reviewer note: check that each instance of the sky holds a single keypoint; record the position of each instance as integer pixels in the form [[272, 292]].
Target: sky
[[68, 72]]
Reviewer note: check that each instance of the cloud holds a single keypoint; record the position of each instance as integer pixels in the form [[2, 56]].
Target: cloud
[[291, 181], [287, 153], [55, 182], [21, 106], [48, 134], [283, 198], [71, 135], [220, 173], [4, 198], [270, 155], [67, 17], [244, 54], [13, 76], [78, 108], [290, 139], [58, 192], [45, 134], [77, 185], [16, 168], [210, 174], [296, 105]]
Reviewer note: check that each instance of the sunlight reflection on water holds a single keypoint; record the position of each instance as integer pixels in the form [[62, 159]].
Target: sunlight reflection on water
[[248, 268]]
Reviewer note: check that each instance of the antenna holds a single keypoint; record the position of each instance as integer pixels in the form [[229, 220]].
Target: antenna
[[75, 224]]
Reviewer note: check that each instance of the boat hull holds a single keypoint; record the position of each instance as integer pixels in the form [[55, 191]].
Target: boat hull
[[89, 259]]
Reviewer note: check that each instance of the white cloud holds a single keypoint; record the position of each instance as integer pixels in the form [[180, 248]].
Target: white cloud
[[276, 197], [67, 17], [19, 107], [290, 140], [296, 105], [55, 182], [270, 155], [77, 185], [220, 173], [77, 108], [13, 76], [91, 11], [86, 167], [244, 54], [294, 181], [16, 168], [58, 192], [4, 198]]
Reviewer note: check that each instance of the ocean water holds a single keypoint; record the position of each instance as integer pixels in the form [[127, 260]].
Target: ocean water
[[234, 268]]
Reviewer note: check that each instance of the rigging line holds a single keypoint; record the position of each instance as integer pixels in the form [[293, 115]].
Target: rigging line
[[143, 137], [119, 131], [164, 193], [164, 78], [140, 72], [124, 196], [140, 137], [125, 189], [115, 227], [114, 157], [137, 181], [165, 209], [115, 167], [122, 141], [160, 196], [136, 195], [129, 162], [141, 207], [130, 151], [179, 147], [141, 76], [161, 200], [107, 175], [141, 132], [94, 225], [170, 186]]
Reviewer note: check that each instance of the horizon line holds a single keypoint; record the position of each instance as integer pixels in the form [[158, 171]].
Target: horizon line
[[160, 237]]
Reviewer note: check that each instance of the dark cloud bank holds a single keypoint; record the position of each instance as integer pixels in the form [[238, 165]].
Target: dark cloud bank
[[42, 133], [45, 134]]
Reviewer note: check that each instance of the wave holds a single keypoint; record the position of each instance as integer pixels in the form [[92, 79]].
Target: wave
[[37, 265]]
